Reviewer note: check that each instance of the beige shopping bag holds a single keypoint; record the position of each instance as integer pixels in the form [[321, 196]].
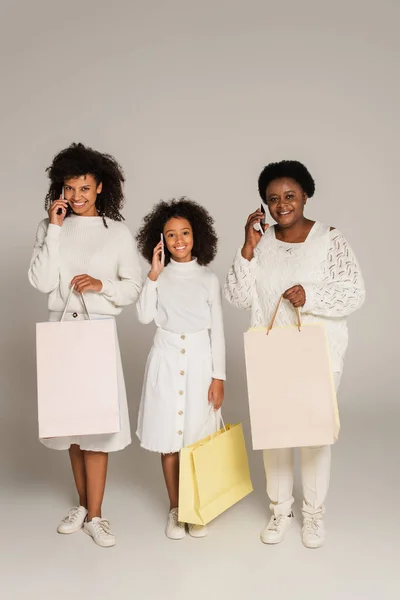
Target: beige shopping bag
[[214, 475], [77, 377], [290, 384]]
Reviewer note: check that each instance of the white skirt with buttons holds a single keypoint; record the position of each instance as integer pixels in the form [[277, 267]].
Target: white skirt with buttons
[[174, 410]]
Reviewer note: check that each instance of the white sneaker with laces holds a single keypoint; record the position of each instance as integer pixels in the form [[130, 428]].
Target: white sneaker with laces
[[100, 531], [276, 529], [175, 530], [73, 521], [313, 531], [197, 531]]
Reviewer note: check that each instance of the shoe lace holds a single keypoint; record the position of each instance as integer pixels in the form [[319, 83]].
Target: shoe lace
[[173, 518], [71, 516], [276, 522], [312, 525], [102, 526]]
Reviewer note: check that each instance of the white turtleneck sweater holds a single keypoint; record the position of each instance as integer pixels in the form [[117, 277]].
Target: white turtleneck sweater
[[186, 298], [83, 245]]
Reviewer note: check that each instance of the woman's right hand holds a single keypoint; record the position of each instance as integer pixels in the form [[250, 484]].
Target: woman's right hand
[[56, 219], [156, 265], [252, 237]]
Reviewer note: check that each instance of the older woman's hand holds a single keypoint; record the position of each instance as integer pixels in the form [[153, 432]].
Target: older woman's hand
[[252, 236], [296, 296]]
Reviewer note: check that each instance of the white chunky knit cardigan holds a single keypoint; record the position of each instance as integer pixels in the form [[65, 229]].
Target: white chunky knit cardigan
[[324, 265]]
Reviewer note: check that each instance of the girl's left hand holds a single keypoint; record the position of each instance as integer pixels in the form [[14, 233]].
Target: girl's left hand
[[85, 283], [296, 296], [216, 393]]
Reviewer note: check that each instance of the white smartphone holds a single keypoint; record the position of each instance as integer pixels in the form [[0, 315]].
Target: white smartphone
[[162, 250]]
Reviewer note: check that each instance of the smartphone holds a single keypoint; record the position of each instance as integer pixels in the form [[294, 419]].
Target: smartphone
[[162, 250], [59, 212], [258, 226]]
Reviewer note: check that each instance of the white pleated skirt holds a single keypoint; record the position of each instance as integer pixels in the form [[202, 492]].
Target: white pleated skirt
[[97, 443], [174, 410]]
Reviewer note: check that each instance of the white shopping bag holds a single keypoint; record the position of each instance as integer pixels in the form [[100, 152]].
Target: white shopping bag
[[292, 397], [77, 377]]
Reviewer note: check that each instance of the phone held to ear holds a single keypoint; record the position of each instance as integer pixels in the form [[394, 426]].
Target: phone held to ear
[[258, 226], [162, 250], [59, 211]]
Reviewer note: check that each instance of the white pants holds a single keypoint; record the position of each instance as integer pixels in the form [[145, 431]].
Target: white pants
[[315, 466]]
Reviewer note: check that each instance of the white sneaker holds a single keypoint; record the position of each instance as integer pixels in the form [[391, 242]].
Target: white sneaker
[[100, 531], [313, 532], [73, 521], [276, 529], [175, 529], [197, 531]]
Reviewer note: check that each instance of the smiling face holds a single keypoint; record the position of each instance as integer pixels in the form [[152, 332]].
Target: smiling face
[[178, 237], [286, 200], [81, 193]]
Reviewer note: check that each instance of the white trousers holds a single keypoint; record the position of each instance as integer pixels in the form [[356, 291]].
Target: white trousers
[[315, 466]]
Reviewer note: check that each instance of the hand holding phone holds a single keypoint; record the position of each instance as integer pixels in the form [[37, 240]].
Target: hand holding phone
[[158, 261], [58, 210], [162, 250], [254, 230], [258, 226]]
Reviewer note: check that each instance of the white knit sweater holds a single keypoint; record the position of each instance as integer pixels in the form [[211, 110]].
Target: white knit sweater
[[83, 245], [324, 265]]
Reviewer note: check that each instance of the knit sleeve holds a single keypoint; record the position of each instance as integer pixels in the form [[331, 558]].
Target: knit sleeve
[[342, 292], [44, 269], [239, 283], [217, 331], [147, 304], [125, 290]]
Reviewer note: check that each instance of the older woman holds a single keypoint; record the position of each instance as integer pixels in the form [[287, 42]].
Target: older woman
[[313, 266]]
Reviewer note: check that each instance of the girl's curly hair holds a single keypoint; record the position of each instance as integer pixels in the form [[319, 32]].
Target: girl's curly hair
[[205, 241], [78, 160]]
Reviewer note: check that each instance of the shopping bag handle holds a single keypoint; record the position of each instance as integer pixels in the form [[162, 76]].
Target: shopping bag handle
[[276, 314], [69, 300], [211, 410]]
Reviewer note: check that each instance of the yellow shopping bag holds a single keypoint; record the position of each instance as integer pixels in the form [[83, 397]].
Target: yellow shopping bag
[[214, 475]]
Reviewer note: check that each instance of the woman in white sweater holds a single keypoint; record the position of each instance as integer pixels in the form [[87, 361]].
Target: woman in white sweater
[[185, 370], [316, 270], [85, 244]]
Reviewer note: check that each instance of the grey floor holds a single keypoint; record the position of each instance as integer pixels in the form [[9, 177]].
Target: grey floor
[[360, 558]]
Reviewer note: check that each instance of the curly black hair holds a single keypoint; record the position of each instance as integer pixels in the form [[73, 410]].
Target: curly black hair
[[292, 169], [78, 160], [205, 240]]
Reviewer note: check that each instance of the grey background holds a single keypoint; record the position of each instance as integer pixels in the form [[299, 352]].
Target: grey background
[[194, 98]]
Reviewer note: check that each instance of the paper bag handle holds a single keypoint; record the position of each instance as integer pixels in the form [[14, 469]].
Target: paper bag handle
[[69, 300], [276, 314], [217, 424]]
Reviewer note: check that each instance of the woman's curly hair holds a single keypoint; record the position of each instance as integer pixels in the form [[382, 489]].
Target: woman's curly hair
[[292, 169], [78, 160], [205, 240]]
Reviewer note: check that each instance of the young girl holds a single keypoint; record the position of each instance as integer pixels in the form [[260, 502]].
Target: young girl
[[185, 370], [83, 243]]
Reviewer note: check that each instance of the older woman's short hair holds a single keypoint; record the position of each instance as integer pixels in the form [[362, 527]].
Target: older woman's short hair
[[292, 169]]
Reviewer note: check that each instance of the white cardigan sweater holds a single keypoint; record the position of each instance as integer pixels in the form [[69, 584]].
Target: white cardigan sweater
[[324, 265]]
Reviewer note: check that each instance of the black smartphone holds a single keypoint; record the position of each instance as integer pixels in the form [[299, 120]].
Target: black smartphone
[[59, 211], [259, 225]]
